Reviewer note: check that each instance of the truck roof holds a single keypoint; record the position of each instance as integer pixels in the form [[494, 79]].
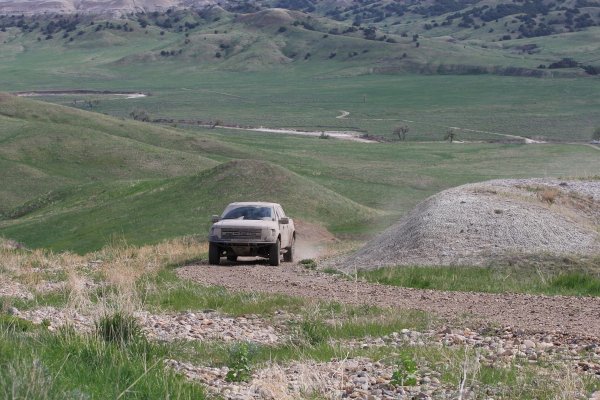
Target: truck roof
[[253, 203]]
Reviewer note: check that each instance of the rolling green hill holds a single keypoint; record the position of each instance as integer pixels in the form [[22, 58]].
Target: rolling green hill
[[85, 218], [288, 67], [46, 146], [463, 38], [74, 179]]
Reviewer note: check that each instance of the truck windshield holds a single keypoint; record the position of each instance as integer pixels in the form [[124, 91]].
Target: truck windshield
[[250, 212]]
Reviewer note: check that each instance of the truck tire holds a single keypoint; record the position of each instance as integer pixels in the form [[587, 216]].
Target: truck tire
[[288, 256], [214, 254], [274, 256]]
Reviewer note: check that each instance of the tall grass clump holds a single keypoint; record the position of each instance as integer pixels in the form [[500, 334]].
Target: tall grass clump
[[119, 328], [576, 283]]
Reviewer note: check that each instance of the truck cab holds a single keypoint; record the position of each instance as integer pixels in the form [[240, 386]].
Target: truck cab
[[252, 229]]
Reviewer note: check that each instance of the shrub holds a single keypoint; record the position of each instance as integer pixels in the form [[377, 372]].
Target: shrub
[[549, 195], [15, 324], [139, 114], [401, 131], [308, 263], [239, 363], [596, 134], [314, 331], [118, 328], [406, 373]]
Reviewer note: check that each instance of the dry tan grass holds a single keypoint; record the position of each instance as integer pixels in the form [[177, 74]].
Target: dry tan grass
[[549, 195], [119, 267]]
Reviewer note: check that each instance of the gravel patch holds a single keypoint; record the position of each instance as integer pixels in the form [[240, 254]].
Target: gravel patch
[[358, 378], [502, 346], [471, 224], [363, 378], [208, 326], [10, 288], [169, 327]]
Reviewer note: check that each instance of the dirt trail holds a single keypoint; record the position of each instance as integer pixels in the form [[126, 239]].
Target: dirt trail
[[40, 93], [343, 114], [571, 315], [342, 135], [526, 140]]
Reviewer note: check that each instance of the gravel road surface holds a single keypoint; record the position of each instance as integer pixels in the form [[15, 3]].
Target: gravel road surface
[[578, 316]]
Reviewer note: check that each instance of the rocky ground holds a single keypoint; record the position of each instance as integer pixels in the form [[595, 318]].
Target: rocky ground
[[558, 336], [571, 315], [206, 325], [9, 288], [363, 378], [360, 377]]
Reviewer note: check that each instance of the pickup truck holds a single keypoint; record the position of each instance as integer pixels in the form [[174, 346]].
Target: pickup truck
[[251, 229]]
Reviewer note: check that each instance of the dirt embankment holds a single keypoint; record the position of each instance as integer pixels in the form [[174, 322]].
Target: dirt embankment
[[478, 223]]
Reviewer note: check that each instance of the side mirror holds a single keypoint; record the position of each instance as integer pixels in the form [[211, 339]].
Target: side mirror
[[284, 220], [215, 218]]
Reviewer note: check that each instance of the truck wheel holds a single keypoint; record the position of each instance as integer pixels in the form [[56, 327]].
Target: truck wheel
[[214, 254], [274, 256], [232, 258], [288, 256]]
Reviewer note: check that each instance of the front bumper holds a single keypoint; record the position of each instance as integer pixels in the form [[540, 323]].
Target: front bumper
[[243, 248], [238, 242]]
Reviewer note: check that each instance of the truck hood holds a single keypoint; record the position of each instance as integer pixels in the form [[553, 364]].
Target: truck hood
[[245, 223]]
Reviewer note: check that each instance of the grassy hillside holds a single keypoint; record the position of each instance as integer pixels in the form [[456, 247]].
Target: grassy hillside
[[85, 218], [274, 37], [287, 68], [45, 147], [75, 179]]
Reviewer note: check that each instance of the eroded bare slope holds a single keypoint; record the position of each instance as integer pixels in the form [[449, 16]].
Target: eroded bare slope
[[473, 224]]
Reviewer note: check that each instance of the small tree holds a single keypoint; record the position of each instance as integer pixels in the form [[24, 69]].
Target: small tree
[[596, 134], [450, 135], [140, 115], [401, 131]]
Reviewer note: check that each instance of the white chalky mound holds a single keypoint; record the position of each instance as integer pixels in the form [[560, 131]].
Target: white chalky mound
[[471, 224]]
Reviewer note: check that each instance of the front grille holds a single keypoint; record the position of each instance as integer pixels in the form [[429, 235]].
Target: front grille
[[241, 233]]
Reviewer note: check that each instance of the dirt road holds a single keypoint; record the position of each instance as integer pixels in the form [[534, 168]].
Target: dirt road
[[570, 315]]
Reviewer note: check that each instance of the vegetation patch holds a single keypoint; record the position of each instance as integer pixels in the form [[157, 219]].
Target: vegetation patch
[[498, 279], [47, 365]]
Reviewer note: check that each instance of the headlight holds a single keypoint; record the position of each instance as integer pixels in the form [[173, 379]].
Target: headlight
[[269, 234], [215, 231]]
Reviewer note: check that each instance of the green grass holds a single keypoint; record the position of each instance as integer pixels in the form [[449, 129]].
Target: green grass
[[169, 189], [146, 186], [173, 294], [53, 299], [258, 82], [46, 147], [526, 279], [88, 178], [43, 365], [150, 211]]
